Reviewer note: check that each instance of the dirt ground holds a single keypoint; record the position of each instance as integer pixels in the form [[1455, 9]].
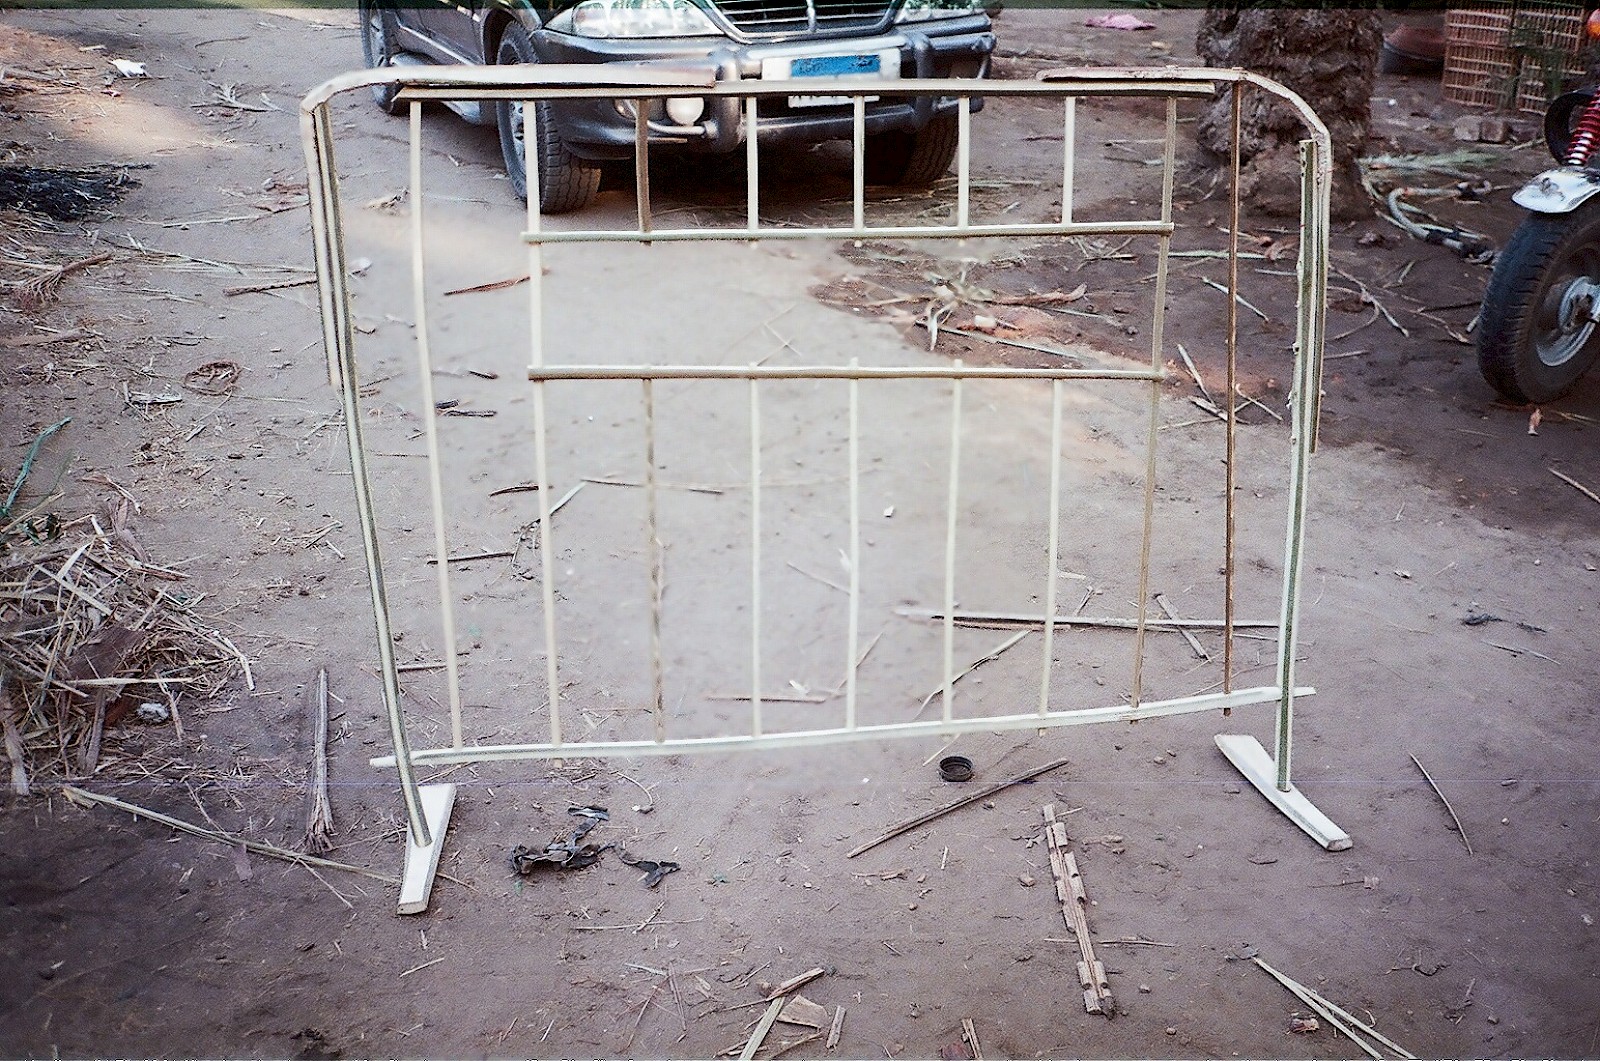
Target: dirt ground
[[1432, 503]]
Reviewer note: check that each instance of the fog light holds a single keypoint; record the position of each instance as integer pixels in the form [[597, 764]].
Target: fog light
[[685, 110]]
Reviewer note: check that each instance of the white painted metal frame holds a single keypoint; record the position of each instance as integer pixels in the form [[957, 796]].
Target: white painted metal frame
[[428, 806]]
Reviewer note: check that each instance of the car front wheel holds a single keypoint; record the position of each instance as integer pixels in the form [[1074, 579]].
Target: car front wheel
[[566, 182], [916, 159], [378, 49]]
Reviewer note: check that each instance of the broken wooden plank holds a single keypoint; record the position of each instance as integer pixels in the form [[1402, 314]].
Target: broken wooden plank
[[1097, 997], [838, 1027], [758, 1036]]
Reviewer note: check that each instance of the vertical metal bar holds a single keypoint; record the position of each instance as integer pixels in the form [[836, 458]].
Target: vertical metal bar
[[854, 632], [1069, 156], [964, 161], [858, 156], [641, 162], [752, 167], [1315, 175], [1157, 342], [755, 559], [657, 582], [430, 431], [951, 514], [1231, 511], [541, 458], [327, 228], [318, 134], [1053, 551]]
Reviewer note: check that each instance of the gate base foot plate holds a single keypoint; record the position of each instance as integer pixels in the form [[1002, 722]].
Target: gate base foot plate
[[1251, 759], [423, 862]]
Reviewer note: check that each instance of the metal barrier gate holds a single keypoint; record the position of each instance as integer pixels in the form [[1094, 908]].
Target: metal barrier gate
[[428, 805]]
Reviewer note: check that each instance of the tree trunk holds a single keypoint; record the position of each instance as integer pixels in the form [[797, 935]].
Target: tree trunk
[[1329, 57]]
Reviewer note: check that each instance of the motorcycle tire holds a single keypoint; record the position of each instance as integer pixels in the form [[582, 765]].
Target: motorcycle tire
[[1535, 335]]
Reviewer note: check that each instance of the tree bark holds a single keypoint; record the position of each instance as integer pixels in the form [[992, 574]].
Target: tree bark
[[1329, 57]]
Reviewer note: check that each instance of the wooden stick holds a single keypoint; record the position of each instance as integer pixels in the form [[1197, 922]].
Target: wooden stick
[[1004, 619], [319, 822], [1434, 785], [984, 793], [794, 983], [971, 1034], [838, 1026], [1188, 363], [1590, 494], [15, 750], [270, 285], [79, 795], [1194, 642], [992, 654], [762, 1027]]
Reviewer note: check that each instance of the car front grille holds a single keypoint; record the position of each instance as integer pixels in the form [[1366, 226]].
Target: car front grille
[[768, 17]]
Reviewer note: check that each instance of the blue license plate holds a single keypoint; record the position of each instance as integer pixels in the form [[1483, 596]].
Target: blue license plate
[[834, 65]]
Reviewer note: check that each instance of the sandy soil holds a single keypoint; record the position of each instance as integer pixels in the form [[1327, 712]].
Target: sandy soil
[[1432, 503]]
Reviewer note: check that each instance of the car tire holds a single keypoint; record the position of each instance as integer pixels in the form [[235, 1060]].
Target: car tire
[[378, 48], [566, 182], [913, 160]]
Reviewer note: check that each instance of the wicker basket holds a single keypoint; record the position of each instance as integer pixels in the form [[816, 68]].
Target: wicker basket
[[1511, 56]]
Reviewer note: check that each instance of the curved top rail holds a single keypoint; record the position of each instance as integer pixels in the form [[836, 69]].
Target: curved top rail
[[1188, 74], [554, 75]]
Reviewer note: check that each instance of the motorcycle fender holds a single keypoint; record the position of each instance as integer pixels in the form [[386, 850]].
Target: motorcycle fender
[[1558, 191]]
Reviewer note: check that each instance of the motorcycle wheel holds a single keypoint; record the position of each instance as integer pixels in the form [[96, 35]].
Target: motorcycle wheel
[[1536, 337]]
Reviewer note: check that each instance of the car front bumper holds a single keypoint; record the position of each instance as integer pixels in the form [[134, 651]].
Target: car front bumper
[[604, 129]]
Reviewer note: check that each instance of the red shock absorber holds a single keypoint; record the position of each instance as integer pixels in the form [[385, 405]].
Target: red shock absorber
[[1585, 135]]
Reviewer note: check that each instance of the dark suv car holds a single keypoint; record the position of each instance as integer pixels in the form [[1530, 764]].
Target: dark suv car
[[909, 141]]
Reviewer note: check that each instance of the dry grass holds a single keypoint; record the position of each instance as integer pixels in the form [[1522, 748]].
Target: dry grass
[[89, 632]]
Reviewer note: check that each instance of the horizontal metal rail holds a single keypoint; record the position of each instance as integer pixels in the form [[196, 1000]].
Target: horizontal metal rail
[[543, 373], [485, 753]]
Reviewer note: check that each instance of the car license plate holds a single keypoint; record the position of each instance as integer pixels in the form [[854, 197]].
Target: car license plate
[[873, 66]]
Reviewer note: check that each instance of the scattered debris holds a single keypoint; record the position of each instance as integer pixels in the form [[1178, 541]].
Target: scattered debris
[[573, 853], [1361, 1034], [83, 797], [971, 1032], [129, 68], [452, 407], [1097, 997], [213, 377], [805, 1013], [923, 819], [40, 291], [64, 194], [1303, 1025], [89, 631], [653, 871], [570, 853], [319, 818], [1434, 785], [497, 285]]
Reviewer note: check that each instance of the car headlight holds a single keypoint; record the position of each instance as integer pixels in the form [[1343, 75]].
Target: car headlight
[[922, 10], [634, 18]]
